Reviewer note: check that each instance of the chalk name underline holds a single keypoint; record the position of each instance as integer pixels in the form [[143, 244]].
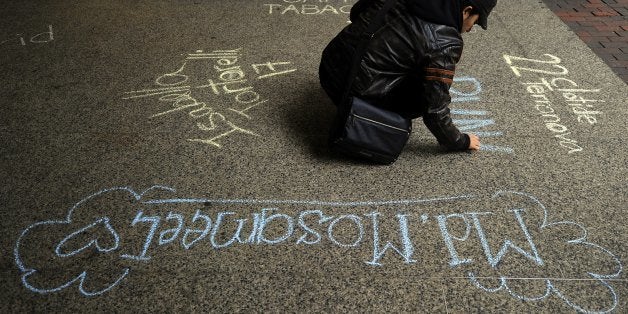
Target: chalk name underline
[[544, 278], [514, 278], [311, 202]]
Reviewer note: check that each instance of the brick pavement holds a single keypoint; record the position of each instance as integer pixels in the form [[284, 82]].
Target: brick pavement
[[602, 25]]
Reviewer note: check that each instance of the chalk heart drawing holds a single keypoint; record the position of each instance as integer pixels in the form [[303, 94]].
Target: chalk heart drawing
[[490, 271], [62, 249]]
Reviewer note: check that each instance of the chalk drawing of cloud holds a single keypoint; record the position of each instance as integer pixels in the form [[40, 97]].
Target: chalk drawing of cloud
[[573, 291], [98, 237]]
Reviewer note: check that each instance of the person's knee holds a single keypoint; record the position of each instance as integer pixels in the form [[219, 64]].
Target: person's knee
[[327, 83]]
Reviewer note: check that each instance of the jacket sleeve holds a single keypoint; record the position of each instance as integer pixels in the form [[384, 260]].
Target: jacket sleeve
[[438, 75], [358, 8]]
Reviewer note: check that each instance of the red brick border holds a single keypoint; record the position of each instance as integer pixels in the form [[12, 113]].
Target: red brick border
[[602, 25]]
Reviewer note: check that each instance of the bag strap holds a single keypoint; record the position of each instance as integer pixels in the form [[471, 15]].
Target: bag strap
[[360, 50]]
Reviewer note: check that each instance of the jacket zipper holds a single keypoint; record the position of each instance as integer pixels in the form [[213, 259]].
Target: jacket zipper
[[377, 122]]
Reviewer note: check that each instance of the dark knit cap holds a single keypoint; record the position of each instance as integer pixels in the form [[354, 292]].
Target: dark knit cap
[[484, 7]]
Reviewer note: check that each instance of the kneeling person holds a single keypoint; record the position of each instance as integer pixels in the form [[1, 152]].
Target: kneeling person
[[409, 64]]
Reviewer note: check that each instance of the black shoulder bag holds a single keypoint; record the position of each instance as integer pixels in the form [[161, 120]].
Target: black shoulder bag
[[363, 130]]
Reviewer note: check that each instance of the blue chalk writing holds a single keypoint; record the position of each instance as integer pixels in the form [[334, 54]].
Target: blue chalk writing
[[494, 260], [470, 112], [463, 96], [495, 148], [256, 221], [236, 235], [308, 230], [29, 271], [358, 222], [424, 218], [309, 227], [378, 252], [466, 125], [550, 287], [448, 237], [309, 203], [264, 221], [154, 223], [95, 242], [202, 233], [174, 232], [467, 90]]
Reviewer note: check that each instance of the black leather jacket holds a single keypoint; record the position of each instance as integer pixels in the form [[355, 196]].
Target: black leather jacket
[[408, 67]]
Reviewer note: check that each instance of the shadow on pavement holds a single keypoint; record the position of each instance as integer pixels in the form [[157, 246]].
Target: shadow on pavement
[[309, 120]]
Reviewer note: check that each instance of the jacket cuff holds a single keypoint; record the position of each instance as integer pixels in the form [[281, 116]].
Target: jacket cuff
[[461, 144], [466, 140]]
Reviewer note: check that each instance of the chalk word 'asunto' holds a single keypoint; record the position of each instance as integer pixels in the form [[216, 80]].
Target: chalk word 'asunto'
[[396, 232], [41, 38], [542, 79]]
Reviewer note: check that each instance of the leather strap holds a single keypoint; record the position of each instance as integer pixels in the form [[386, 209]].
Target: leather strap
[[360, 50]]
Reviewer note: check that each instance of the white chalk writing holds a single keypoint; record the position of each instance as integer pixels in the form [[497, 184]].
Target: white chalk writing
[[542, 78], [21, 39], [309, 7], [194, 98]]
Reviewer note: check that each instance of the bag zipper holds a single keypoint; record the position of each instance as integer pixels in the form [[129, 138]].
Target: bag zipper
[[380, 123]]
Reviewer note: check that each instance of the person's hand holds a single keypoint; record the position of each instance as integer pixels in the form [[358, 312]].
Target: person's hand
[[474, 144]]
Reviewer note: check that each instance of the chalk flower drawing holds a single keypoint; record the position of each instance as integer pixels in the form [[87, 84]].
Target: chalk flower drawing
[[536, 289], [71, 246], [92, 238]]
